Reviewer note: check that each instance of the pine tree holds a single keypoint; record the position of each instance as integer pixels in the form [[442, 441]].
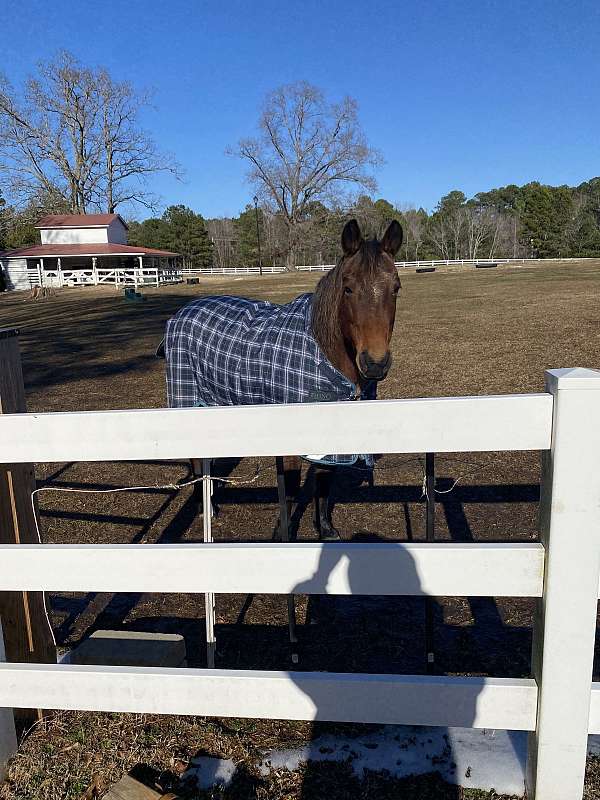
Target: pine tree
[[186, 234]]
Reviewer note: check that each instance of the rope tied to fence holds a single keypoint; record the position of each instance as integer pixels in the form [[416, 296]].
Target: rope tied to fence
[[246, 480]]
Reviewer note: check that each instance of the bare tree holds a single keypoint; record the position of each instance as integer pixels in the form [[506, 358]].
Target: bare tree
[[223, 236], [128, 154], [414, 223], [74, 135], [46, 140], [439, 235], [479, 224], [455, 222], [307, 150]]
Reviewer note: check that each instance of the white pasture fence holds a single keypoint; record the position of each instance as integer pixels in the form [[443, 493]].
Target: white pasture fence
[[326, 267], [409, 265], [559, 705], [424, 264], [267, 270]]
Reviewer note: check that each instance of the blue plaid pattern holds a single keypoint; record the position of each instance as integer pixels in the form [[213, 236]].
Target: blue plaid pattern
[[224, 351]]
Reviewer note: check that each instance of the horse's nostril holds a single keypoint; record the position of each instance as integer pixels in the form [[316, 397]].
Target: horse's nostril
[[374, 368]]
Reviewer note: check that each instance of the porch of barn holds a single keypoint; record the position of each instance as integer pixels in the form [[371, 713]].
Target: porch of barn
[[118, 270]]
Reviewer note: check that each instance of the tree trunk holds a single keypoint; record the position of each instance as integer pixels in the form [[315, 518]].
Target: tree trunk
[[290, 261]]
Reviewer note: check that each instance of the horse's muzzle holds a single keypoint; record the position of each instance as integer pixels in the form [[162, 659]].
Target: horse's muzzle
[[372, 369]]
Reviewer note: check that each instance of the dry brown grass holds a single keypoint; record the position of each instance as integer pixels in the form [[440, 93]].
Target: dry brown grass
[[472, 332]]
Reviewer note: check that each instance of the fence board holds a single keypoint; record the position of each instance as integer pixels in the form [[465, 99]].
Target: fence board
[[594, 723], [438, 569], [338, 697], [447, 424]]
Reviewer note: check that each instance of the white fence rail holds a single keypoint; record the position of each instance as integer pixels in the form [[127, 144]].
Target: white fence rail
[[558, 704], [325, 267], [425, 264], [433, 425], [267, 270], [337, 697], [415, 569], [443, 262]]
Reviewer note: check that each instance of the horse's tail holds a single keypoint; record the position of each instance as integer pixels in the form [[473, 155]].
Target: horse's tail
[[160, 350]]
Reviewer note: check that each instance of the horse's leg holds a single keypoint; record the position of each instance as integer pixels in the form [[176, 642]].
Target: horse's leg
[[323, 510], [291, 467], [197, 490], [284, 521]]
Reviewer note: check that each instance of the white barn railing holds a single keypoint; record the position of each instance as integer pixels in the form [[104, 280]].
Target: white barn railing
[[559, 704], [116, 276]]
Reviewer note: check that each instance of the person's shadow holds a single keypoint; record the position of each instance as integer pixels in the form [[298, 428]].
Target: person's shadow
[[386, 697]]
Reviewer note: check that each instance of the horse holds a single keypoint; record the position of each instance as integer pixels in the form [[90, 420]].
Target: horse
[[331, 345]]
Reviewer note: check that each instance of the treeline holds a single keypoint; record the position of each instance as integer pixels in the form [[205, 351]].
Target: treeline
[[533, 220]]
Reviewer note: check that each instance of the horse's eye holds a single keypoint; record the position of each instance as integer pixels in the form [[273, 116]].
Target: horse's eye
[[347, 290]]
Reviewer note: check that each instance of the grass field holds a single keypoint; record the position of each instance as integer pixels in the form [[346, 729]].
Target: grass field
[[457, 333]]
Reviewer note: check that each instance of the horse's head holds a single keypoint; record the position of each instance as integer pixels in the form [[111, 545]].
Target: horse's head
[[368, 284]]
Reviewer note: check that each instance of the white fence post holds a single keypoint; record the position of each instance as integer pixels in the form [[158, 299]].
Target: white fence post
[[565, 624], [8, 736], [209, 597]]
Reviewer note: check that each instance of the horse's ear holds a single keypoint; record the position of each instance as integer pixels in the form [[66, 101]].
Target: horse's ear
[[392, 238], [351, 238]]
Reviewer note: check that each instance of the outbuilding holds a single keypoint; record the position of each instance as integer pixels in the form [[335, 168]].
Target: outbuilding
[[79, 249]]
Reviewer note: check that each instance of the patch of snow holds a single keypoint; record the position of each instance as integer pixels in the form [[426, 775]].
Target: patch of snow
[[474, 759], [207, 772]]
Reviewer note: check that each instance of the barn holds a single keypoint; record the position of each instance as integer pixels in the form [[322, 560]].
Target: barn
[[84, 249]]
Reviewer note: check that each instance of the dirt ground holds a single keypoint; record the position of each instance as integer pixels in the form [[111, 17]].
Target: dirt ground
[[457, 333]]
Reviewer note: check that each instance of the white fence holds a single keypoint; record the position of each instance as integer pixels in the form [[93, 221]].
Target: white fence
[[559, 704], [270, 270], [98, 276], [129, 276], [425, 264], [326, 267]]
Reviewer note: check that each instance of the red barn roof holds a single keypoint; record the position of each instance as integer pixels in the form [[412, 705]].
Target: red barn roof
[[79, 220], [104, 249]]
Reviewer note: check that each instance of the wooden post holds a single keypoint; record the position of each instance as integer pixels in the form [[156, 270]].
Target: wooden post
[[8, 734], [27, 634], [565, 622]]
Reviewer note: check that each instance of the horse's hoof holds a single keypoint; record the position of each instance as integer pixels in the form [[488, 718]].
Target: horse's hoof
[[330, 535]]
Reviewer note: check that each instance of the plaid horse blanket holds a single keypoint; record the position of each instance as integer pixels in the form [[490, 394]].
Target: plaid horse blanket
[[227, 351]]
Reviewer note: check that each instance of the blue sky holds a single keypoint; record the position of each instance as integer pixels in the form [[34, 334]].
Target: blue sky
[[455, 94]]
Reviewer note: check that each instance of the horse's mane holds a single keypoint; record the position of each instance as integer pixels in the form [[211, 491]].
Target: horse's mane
[[328, 296]]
